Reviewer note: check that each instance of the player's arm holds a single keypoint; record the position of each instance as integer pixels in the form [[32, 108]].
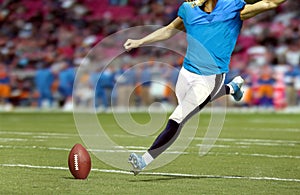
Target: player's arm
[[161, 34], [251, 10]]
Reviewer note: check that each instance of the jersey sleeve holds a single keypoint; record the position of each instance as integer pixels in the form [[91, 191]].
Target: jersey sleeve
[[239, 4], [181, 11]]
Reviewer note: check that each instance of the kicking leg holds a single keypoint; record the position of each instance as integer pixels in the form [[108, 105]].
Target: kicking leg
[[195, 99], [233, 88], [168, 135]]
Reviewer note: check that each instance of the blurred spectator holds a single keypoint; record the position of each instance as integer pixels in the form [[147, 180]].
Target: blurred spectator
[[49, 32], [144, 78], [98, 90], [126, 81], [4, 88], [44, 79], [258, 55], [265, 91], [297, 87], [66, 79], [292, 55], [248, 98], [118, 2], [171, 78], [290, 83], [107, 82], [102, 81]]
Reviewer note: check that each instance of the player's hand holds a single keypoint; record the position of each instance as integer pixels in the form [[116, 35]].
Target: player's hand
[[196, 3], [131, 44]]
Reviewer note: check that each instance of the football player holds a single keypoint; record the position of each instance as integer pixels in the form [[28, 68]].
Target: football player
[[212, 28]]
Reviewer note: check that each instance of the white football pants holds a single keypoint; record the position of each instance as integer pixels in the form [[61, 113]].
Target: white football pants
[[194, 91]]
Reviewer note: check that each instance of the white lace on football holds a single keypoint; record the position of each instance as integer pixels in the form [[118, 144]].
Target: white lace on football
[[76, 162]]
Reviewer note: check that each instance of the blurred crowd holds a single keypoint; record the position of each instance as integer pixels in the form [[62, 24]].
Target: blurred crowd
[[43, 43]]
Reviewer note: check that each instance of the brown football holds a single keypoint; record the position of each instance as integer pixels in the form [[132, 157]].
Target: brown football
[[79, 162]]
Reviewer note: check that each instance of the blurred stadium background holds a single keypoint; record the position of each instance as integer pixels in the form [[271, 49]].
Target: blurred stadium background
[[43, 42]]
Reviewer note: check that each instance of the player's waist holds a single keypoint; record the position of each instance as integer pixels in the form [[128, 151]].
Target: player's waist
[[204, 68]]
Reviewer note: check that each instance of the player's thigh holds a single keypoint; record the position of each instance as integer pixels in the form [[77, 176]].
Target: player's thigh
[[182, 85], [195, 97]]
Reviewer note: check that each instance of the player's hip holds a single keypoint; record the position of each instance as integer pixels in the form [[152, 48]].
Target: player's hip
[[206, 81]]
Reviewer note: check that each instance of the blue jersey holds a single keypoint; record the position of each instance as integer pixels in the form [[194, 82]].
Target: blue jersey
[[44, 79], [211, 36]]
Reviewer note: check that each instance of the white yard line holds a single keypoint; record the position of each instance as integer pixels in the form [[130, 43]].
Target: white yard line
[[295, 130], [44, 135], [91, 150], [37, 133], [272, 156], [138, 149], [264, 144], [273, 121], [8, 139], [255, 155], [158, 173], [222, 146], [252, 140]]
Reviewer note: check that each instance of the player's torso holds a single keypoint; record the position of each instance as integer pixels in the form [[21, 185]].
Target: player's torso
[[211, 36]]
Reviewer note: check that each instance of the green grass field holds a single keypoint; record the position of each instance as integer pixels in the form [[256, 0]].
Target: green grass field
[[255, 154]]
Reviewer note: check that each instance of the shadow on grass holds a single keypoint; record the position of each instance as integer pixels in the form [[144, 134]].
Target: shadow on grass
[[174, 177], [70, 177], [160, 178], [73, 178]]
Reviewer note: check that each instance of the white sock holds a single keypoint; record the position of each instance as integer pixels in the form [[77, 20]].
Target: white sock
[[147, 158], [231, 89]]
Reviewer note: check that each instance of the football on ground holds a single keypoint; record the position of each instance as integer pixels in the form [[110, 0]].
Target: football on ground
[[79, 162]]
